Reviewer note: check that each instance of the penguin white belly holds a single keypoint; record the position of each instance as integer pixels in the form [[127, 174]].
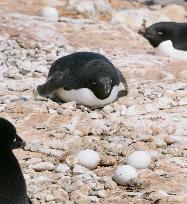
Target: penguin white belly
[[85, 96], [166, 49]]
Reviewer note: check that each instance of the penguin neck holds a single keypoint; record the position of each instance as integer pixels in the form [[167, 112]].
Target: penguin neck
[[6, 152]]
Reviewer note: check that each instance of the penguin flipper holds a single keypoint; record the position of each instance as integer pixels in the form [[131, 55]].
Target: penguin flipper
[[123, 81], [52, 84]]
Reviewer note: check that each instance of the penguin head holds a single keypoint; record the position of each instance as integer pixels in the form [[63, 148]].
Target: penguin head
[[159, 32], [101, 78], [8, 136]]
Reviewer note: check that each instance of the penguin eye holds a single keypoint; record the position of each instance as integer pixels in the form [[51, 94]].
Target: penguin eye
[[14, 140], [160, 33], [94, 83], [111, 81]]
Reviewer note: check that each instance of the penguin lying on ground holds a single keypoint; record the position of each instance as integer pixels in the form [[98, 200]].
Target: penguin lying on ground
[[168, 39], [88, 78], [12, 183]]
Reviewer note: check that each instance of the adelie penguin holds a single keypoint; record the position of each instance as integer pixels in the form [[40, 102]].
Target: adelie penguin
[[88, 78], [168, 39], [12, 183]]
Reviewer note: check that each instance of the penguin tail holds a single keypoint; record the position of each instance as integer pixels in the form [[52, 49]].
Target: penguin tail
[[52, 84]]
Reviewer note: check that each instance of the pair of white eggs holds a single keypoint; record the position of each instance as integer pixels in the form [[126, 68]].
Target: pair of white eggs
[[136, 160], [123, 174]]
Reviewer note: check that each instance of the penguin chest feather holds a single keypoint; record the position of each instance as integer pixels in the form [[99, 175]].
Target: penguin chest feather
[[86, 97], [166, 49]]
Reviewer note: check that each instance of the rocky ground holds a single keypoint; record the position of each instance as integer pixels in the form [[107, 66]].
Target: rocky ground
[[152, 117]]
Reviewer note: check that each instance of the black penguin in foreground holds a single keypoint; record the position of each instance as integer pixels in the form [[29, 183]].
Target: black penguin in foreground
[[12, 183], [88, 78], [168, 39]]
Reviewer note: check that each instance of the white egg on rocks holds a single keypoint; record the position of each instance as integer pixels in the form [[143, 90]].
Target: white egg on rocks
[[88, 158], [50, 12], [124, 174], [139, 159]]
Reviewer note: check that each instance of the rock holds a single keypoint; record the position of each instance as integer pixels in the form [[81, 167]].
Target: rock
[[108, 109], [62, 168], [109, 183], [95, 115], [100, 194], [89, 8], [134, 17], [103, 6], [108, 160], [183, 101], [150, 107], [175, 12], [160, 143], [135, 110], [78, 169], [84, 7], [49, 197], [70, 105], [79, 197], [71, 160], [165, 102], [42, 166]]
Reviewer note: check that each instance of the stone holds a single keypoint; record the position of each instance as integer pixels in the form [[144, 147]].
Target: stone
[[183, 101], [62, 168], [135, 17], [42, 166], [78, 169]]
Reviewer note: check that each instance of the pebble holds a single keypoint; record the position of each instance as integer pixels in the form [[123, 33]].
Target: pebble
[[78, 169], [95, 115], [62, 168], [183, 101], [42, 166], [164, 102]]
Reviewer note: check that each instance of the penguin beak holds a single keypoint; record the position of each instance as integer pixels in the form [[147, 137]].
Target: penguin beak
[[106, 83], [142, 31], [18, 143], [107, 88]]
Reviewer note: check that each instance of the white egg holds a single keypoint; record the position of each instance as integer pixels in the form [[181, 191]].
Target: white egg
[[139, 159], [88, 158], [50, 12], [124, 174]]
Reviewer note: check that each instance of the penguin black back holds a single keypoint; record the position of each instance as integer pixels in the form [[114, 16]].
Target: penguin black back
[[76, 61], [12, 183]]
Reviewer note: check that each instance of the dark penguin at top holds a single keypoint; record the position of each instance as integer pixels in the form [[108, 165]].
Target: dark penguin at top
[[88, 78], [12, 183], [168, 39]]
